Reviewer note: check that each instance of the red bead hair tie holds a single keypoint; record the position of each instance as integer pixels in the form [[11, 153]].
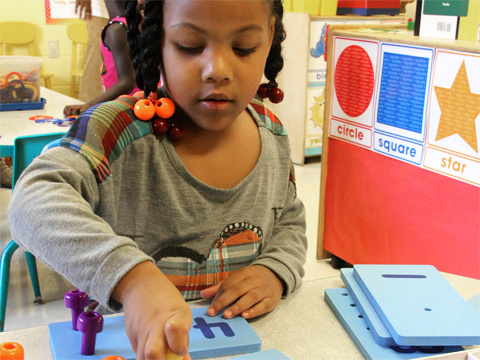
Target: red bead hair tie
[[163, 108], [272, 91]]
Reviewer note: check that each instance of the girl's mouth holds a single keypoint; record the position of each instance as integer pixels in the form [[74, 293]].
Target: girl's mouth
[[215, 102]]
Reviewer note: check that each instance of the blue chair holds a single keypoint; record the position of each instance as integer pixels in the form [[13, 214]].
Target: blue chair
[[26, 148]]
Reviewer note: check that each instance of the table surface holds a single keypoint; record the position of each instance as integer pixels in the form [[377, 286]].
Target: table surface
[[302, 326], [17, 123]]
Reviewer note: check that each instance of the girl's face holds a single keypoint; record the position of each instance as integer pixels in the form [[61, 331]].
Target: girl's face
[[214, 54]]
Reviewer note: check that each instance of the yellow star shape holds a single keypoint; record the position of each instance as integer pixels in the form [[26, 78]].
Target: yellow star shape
[[459, 109]]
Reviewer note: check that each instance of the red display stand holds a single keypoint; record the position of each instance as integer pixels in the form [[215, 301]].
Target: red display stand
[[401, 171]]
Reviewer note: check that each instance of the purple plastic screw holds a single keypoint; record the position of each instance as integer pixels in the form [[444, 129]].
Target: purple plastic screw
[[76, 300], [90, 323]]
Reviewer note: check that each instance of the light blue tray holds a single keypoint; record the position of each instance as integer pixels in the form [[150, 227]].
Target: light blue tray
[[418, 306], [375, 324], [239, 339], [347, 313]]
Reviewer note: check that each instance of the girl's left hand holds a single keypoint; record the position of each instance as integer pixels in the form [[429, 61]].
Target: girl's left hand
[[251, 291]]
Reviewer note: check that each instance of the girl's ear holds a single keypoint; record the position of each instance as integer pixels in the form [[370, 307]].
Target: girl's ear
[[271, 31], [141, 21]]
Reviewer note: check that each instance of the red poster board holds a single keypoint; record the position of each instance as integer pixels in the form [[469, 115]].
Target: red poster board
[[401, 170], [382, 211]]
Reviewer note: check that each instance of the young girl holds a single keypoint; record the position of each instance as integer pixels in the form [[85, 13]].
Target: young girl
[[143, 220], [118, 75]]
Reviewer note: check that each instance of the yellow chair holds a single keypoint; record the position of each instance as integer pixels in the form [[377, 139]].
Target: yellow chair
[[77, 33], [20, 34]]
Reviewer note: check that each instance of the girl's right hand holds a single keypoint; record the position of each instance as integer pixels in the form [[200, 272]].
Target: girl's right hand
[[157, 318]]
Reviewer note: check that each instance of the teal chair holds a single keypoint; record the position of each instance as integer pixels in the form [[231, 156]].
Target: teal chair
[[26, 148]]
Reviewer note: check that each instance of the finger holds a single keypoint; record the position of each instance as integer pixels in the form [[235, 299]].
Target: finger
[[244, 303], [133, 340], [263, 307], [177, 339], [210, 292], [154, 347], [228, 295], [177, 331], [88, 10]]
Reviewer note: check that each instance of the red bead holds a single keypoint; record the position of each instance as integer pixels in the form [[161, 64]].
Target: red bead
[[175, 133], [144, 109], [160, 126], [276, 95], [164, 108], [262, 91]]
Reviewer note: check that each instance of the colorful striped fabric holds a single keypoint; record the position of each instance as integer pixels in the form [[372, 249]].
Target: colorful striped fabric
[[272, 123], [103, 131], [236, 247]]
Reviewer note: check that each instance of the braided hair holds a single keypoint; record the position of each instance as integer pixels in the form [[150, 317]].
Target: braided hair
[[146, 50]]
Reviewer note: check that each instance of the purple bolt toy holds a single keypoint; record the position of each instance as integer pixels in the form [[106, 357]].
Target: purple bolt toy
[[76, 300], [90, 323]]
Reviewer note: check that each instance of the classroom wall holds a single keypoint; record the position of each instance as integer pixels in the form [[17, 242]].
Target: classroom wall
[[34, 11]]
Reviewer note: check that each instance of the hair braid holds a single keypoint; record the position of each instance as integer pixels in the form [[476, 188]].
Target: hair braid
[[133, 32], [275, 60], [145, 45]]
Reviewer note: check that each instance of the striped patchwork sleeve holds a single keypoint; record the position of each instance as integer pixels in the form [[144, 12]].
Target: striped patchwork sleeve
[[271, 122], [102, 132]]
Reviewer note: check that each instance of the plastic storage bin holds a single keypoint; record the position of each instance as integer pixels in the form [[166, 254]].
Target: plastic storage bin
[[20, 79]]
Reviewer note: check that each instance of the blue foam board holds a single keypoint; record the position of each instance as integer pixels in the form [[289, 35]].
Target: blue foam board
[[418, 306], [475, 303], [270, 354], [209, 337], [374, 323], [347, 313]]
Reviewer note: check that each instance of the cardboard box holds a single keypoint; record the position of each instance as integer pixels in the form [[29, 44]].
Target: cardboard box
[[20, 79]]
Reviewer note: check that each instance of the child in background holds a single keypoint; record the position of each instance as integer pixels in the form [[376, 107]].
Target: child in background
[[95, 14], [118, 75], [143, 221]]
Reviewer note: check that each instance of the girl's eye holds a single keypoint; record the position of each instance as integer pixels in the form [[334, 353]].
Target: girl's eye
[[243, 51], [190, 49]]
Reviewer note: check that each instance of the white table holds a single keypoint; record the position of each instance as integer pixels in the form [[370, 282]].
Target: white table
[[17, 123], [302, 327]]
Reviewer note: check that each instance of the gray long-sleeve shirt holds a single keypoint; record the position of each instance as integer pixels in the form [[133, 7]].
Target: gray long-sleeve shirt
[[93, 212]]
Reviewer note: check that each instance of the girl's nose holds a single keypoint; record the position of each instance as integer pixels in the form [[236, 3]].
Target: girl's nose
[[217, 67]]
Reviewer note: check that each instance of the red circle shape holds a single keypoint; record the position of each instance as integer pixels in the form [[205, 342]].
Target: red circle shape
[[354, 80]]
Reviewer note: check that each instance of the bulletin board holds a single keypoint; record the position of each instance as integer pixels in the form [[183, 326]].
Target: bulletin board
[[59, 12], [401, 176]]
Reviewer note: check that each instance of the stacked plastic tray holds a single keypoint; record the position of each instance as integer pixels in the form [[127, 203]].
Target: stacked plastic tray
[[403, 312]]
